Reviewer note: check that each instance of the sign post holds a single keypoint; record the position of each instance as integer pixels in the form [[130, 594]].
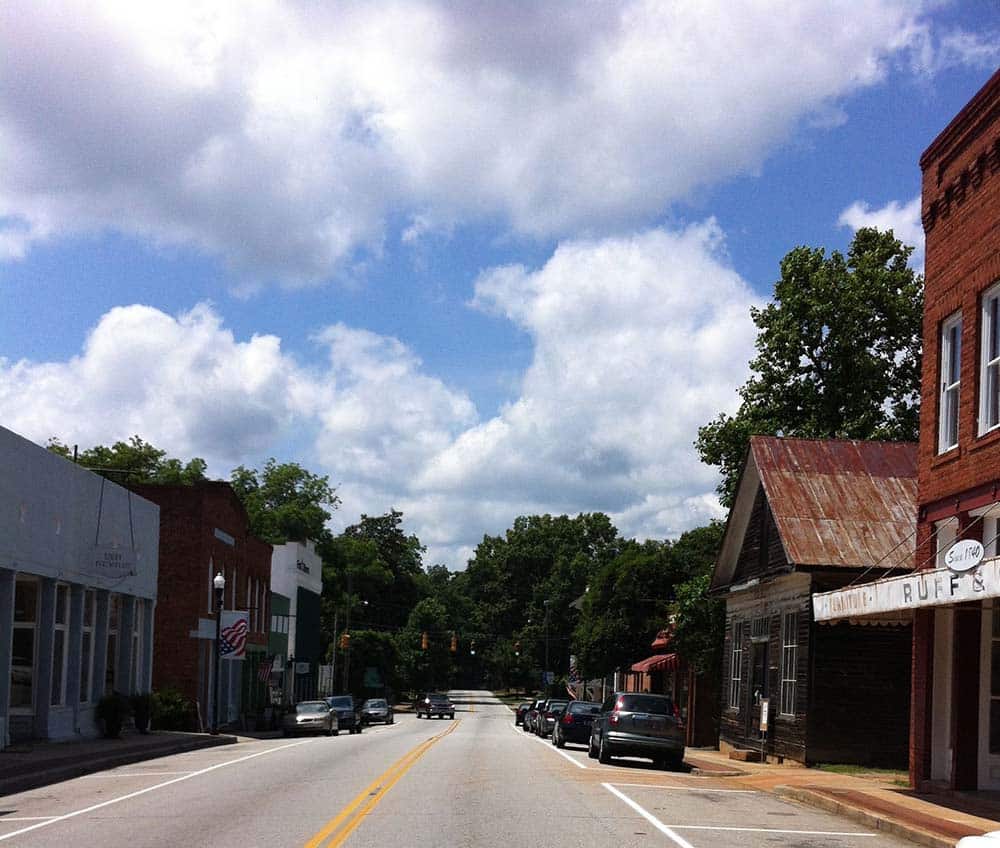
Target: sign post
[[765, 704]]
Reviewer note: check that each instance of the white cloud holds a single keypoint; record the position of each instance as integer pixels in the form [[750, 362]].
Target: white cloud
[[902, 218], [637, 341], [285, 137]]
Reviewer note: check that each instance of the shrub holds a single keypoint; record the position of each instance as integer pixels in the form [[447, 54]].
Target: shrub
[[112, 710], [170, 710]]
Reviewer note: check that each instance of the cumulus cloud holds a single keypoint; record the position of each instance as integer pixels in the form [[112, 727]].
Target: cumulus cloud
[[637, 341], [902, 218], [287, 138]]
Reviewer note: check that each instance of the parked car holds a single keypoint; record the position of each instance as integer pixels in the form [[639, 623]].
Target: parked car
[[435, 704], [638, 725], [310, 717], [528, 725], [348, 712], [575, 723], [520, 712], [377, 709], [547, 716]]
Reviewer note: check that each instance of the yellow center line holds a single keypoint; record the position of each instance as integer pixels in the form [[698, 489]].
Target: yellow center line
[[341, 826]]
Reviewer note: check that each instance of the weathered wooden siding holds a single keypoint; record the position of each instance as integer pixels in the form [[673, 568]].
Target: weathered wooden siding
[[761, 550]]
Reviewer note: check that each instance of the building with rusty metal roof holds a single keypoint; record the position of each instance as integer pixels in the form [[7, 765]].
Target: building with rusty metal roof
[[812, 515]]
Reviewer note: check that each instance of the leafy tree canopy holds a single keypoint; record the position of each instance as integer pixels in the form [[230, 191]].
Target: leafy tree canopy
[[135, 461], [838, 354], [285, 502]]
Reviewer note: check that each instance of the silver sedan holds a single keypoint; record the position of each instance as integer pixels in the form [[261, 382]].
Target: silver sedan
[[310, 717]]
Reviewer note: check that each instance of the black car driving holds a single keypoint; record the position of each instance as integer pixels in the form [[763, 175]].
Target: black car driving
[[348, 712]]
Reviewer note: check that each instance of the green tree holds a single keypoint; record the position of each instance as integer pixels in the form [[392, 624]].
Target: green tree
[[838, 354], [699, 620], [285, 502], [135, 461], [427, 668]]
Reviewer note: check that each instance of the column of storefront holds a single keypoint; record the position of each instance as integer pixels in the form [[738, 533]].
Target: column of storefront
[[146, 677], [101, 658], [126, 622], [73, 652], [43, 658], [6, 648]]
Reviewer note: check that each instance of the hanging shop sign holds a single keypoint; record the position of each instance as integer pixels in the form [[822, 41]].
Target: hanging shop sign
[[113, 561], [964, 555], [931, 588]]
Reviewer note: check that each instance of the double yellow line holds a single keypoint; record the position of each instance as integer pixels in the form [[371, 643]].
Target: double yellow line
[[344, 823]]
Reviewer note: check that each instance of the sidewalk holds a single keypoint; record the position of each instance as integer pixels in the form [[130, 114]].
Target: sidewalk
[[935, 820], [30, 765]]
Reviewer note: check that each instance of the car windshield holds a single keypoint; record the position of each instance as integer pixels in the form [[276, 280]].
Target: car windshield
[[437, 698], [311, 707], [377, 704], [342, 702], [653, 704], [584, 709]]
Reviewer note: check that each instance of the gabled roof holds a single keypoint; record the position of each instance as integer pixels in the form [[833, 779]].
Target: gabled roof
[[836, 503]]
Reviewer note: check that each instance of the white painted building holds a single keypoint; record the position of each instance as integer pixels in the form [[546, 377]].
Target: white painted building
[[78, 571], [297, 574]]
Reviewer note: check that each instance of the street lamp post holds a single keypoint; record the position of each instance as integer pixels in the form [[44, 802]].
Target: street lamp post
[[547, 605], [219, 582]]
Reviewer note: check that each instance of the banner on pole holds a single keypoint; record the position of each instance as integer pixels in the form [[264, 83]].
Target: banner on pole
[[235, 629]]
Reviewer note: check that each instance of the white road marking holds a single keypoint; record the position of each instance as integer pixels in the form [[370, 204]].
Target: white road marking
[[653, 820], [541, 741], [135, 794], [101, 774], [4, 819], [773, 830]]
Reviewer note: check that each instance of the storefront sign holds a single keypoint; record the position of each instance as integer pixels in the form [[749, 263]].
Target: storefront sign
[[111, 561], [301, 668], [765, 708], [938, 587], [964, 555]]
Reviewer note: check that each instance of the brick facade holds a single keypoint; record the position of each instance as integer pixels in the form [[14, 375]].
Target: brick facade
[[960, 206], [203, 530]]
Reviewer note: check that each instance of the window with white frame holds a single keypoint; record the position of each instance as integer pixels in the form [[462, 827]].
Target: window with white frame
[[87, 644], [951, 372], [136, 672], [945, 534], [249, 602], [736, 664], [60, 636], [989, 369], [23, 640], [111, 668], [789, 660]]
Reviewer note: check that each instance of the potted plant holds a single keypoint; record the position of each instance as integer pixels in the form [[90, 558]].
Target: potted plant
[[141, 704], [112, 710]]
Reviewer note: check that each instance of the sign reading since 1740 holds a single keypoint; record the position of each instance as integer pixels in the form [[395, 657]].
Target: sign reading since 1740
[[937, 587]]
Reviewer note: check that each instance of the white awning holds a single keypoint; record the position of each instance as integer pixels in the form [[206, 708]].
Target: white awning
[[930, 588]]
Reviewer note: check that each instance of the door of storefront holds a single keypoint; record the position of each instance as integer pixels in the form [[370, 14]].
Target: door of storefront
[[758, 689], [989, 698]]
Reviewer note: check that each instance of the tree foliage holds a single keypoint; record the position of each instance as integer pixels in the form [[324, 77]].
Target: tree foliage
[[285, 502], [838, 354], [135, 461]]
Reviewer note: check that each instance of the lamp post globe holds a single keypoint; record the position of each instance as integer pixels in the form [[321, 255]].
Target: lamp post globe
[[219, 583]]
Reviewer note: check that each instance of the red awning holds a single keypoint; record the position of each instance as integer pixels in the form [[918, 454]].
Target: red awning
[[657, 662]]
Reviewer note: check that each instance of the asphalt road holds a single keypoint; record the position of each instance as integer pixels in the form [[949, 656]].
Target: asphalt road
[[476, 782]]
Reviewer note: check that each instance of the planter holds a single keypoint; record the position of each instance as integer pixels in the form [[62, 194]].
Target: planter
[[111, 712]]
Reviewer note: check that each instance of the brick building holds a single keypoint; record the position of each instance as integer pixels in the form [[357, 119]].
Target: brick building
[[812, 515], [952, 598], [204, 530]]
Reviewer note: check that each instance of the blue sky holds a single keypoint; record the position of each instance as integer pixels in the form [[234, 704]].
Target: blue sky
[[469, 263]]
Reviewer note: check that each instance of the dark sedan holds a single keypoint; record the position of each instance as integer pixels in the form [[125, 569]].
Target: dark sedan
[[634, 725], [435, 704], [575, 723], [377, 709], [348, 712], [520, 712], [547, 716]]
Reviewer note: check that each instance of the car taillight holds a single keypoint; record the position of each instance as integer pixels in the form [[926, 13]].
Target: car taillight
[[613, 718], [567, 719], [548, 714]]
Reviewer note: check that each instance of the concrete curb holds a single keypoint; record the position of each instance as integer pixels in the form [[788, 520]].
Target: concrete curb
[[868, 819], [59, 772]]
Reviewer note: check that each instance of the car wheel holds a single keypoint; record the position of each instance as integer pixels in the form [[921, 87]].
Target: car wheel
[[603, 752], [559, 741], [335, 731], [391, 720], [674, 762], [285, 733], [591, 749], [451, 716]]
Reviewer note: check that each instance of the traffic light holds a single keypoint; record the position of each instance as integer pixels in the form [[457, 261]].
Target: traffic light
[[517, 649], [345, 641], [424, 641], [472, 648], [454, 643]]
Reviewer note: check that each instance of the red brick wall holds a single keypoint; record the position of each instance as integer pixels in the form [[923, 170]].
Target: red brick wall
[[189, 516], [961, 213]]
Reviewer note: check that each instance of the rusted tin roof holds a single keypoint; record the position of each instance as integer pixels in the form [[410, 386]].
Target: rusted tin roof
[[841, 502], [657, 662]]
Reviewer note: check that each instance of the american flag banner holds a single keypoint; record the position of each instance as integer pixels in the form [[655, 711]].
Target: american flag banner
[[264, 671], [574, 674], [235, 628]]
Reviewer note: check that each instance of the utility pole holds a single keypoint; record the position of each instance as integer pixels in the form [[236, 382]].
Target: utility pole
[[347, 629], [547, 607]]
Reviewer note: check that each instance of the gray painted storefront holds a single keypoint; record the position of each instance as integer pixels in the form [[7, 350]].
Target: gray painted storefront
[[78, 570]]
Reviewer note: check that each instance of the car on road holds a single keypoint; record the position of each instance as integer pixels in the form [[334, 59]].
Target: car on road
[[435, 704], [377, 710], [638, 725], [310, 717], [529, 717], [575, 723], [547, 716], [520, 712], [348, 711]]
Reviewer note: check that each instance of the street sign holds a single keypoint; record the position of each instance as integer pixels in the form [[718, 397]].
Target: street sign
[[301, 668], [765, 704], [372, 678]]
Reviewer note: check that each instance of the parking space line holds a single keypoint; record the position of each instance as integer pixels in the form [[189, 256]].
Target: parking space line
[[687, 788], [5, 819], [773, 830], [534, 738], [139, 792], [101, 774], [653, 820]]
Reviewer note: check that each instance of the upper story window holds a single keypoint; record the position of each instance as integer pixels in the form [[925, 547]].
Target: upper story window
[[951, 370], [989, 371]]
